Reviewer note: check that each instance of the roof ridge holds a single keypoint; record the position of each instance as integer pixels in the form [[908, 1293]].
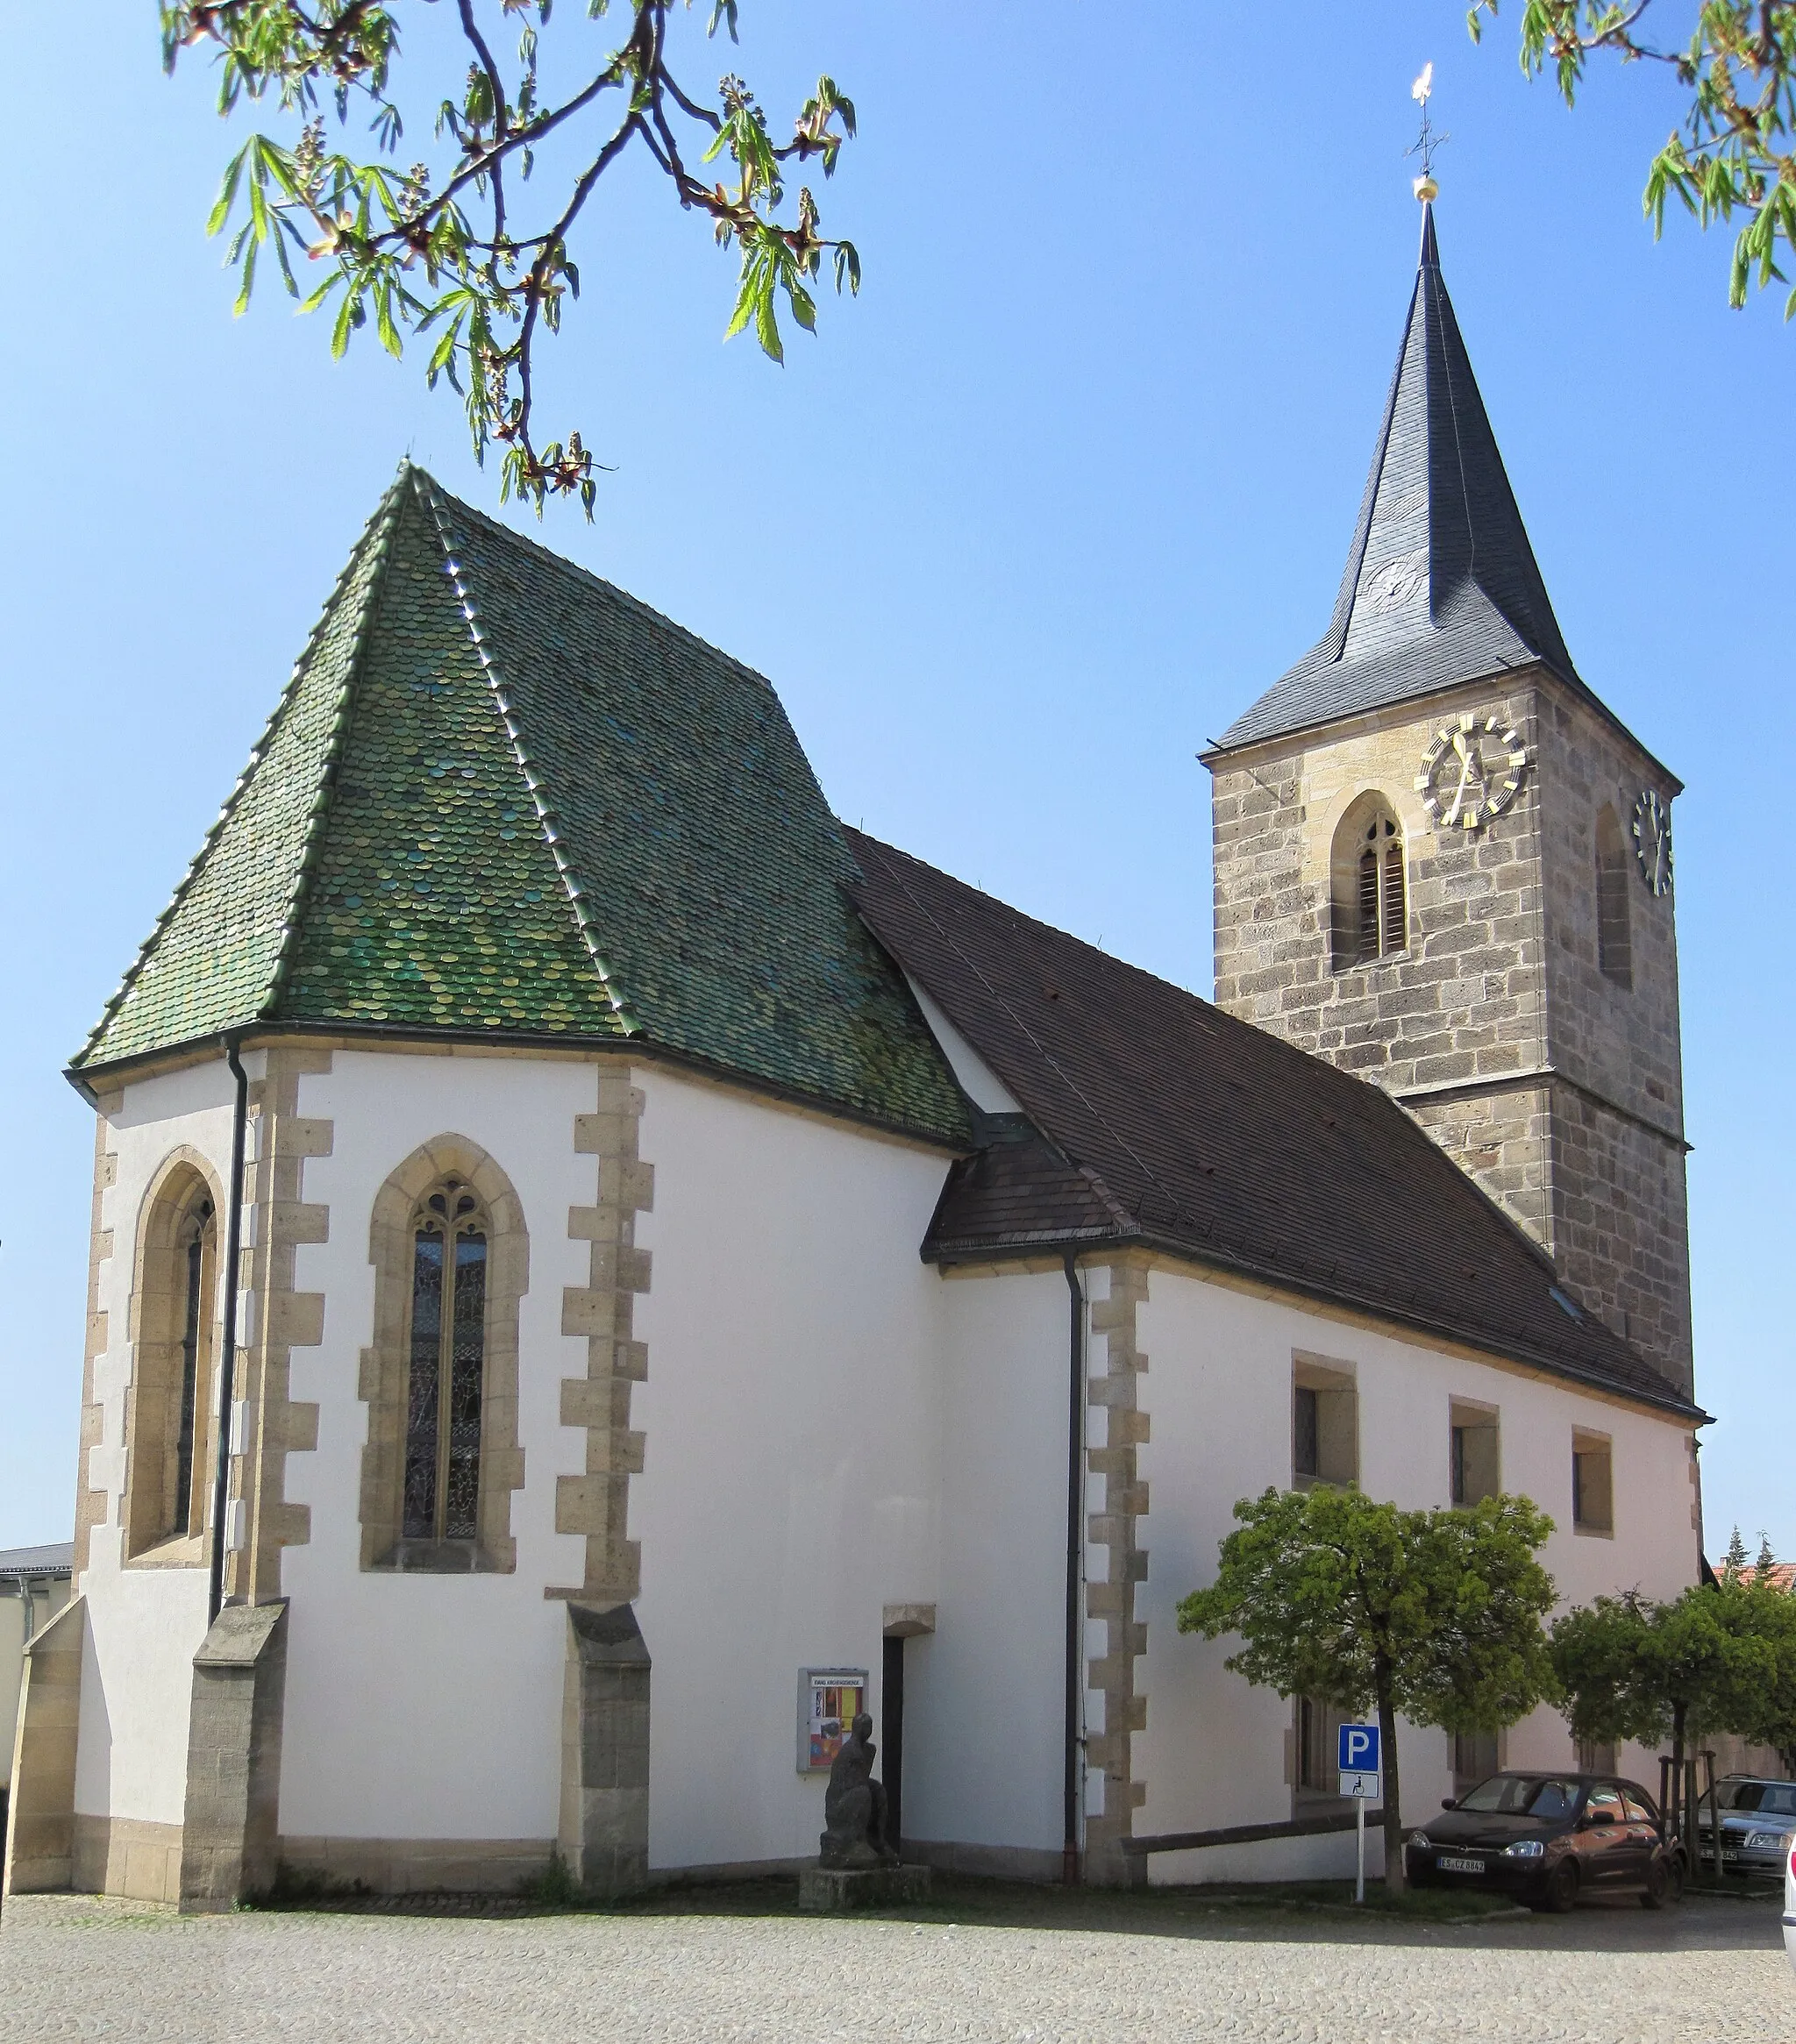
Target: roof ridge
[[560, 561], [258, 752], [527, 764], [381, 531]]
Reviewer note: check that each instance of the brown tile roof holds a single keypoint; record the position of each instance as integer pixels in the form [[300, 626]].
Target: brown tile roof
[[1162, 1122]]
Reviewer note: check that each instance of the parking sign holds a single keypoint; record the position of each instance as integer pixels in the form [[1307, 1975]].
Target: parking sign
[[1358, 1756]]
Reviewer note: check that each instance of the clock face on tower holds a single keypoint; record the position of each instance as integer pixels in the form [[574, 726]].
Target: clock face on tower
[[1652, 841], [1471, 772]]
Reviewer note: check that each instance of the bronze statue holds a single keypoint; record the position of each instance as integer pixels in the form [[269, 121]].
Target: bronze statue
[[854, 1806]]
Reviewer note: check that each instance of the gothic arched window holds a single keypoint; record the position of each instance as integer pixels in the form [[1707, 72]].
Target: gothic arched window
[[446, 1350], [1371, 895], [174, 1309], [1615, 943]]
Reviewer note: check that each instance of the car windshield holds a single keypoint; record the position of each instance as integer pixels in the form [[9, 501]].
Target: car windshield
[[1739, 1795], [1778, 1799], [1524, 1795]]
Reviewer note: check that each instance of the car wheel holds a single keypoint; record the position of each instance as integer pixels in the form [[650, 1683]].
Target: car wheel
[[1657, 1890], [1560, 1894]]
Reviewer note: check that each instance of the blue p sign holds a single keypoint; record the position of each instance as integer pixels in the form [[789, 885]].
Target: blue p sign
[[1359, 1748]]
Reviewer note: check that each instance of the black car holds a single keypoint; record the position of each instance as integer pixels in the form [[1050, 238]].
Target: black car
[[1547, 1839]]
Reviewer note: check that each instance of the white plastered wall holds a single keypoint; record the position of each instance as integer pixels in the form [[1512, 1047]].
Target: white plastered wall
[[1219, 1391], [985, 1714], [797, 1401], [144, 1624]]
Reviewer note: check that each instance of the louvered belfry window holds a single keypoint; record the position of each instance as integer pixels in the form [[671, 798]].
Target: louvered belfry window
[[446, 1364], [1383, 923]]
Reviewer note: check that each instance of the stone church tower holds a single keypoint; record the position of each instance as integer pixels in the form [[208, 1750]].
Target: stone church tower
[[1443, 864]]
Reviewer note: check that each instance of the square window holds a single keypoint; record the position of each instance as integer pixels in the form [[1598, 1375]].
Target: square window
[[1593, 1485]]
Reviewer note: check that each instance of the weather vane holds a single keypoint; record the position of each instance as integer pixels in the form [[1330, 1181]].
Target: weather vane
[[1426, 143]]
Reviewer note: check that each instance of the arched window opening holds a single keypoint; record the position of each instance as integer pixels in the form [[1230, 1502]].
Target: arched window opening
[[446, 1366], [174, 1335], [1615, 942], [1371, 897]]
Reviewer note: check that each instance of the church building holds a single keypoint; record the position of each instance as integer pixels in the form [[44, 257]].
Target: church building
[[600, 1271]]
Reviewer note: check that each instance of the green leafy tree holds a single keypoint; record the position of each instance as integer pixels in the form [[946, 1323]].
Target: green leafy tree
[[1432, 1615], [1735, 1559], [461, 247], [1631, 1669], [1766, 1558], [1769, 1718], [1735, 150]]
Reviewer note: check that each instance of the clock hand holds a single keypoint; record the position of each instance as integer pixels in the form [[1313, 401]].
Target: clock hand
[[1453, 816]]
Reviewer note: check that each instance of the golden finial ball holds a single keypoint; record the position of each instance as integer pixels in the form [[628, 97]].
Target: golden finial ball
[[1426, 188]]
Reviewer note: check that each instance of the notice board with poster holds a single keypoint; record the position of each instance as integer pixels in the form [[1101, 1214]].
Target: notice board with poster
[[828, 1701]]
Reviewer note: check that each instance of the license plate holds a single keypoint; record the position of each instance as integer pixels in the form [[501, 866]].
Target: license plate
[[1449, 1865]]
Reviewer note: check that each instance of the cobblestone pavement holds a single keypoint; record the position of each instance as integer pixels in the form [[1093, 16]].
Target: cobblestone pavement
[[79, 1967]]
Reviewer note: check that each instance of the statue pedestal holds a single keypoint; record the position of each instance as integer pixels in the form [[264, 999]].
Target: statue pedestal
[[836, 1890]]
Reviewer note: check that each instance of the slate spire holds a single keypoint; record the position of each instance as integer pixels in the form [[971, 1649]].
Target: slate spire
[[1441, 584]]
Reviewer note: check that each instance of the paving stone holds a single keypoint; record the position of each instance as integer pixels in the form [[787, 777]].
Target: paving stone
[[80, 1967]]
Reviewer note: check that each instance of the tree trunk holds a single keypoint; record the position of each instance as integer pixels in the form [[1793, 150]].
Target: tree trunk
[[1686, 1820], [1394, 1879]]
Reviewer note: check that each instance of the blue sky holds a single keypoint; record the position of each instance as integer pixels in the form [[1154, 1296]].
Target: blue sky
[[1023, 527]]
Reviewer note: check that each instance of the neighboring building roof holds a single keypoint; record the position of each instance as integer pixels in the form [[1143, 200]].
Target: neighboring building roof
[[502, 798], [1158, 1121], [1779, 1575], [56, 1559], [1441, 584]]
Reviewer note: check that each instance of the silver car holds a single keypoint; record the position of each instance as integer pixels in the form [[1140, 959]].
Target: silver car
[[1758, 1825]]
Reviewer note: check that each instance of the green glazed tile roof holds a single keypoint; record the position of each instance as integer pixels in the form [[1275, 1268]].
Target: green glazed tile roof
[[500, 795]]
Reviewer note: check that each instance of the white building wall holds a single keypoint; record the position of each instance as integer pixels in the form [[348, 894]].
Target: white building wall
[[793, 1415], [144, 1623], [985, 1712], [1219, 1393]]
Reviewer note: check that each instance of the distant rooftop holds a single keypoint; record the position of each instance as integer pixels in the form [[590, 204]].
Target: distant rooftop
[[56, 1559]]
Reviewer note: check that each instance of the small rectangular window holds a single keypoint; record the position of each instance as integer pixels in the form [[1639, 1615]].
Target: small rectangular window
[[1593, 1485], [1324, 1424], [1475, 1760], [1318, 1748], [1472, 1453]]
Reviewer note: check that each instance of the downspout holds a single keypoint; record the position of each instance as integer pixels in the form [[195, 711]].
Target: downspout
[[1075, 1498], [227, 1366]]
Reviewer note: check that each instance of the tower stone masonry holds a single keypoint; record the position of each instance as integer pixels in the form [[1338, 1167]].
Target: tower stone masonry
[[1522, 1007]]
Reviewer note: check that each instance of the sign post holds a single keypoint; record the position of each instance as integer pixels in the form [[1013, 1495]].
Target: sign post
[[1361, 1770]]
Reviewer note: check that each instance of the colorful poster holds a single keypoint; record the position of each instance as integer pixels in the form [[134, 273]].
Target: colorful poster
[[828, 1701]]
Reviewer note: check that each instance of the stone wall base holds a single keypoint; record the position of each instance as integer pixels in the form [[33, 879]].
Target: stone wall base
[[418, 1866], [133, 1857], [1039, 1865]]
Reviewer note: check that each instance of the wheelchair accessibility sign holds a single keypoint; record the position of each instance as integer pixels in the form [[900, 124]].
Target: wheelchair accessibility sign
[[1359, 1758]]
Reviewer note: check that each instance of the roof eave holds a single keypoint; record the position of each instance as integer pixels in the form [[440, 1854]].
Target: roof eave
[[251, 1036], [1219, 749], [1015, 1247]]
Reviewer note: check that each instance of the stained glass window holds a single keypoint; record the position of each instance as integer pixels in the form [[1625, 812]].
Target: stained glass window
[[445, 1367], [185, 1518]]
